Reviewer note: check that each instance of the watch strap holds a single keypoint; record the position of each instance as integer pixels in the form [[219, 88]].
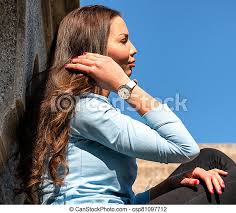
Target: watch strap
[[131, 84]]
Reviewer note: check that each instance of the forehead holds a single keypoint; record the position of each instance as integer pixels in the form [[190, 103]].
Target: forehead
[[118, 26]]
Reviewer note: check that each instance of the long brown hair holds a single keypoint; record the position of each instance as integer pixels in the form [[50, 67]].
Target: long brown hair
[[46, 122]]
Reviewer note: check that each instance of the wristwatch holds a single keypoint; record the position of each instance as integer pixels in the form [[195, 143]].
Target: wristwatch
[[124, 91]]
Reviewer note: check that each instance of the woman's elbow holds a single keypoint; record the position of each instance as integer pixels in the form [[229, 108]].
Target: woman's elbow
[[192, 153], [185, 152]]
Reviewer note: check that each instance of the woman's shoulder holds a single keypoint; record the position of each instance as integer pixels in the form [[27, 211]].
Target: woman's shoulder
[[92, 110], [91, 103]]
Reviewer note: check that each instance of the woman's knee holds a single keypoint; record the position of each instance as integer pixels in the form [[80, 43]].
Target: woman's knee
[[211, 151], [215, 156]]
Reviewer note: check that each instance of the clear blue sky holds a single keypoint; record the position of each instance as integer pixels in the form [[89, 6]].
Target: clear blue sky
[[186, 48]]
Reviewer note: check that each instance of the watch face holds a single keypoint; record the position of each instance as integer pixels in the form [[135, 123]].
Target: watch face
[[124, 93]]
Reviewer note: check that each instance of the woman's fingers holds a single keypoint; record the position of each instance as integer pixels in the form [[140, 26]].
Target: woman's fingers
[[80, 67], [208, 181], [217, 173], [212, 178], [89, 59], [83, 61], [190, 182], [205, 176], [220, 180], [216, 184], [221, 172]]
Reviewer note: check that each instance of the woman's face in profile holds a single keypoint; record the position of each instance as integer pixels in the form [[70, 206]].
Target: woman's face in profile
[[119, 46]]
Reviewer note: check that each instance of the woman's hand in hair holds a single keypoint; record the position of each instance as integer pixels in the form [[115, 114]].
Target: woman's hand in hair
[[212, 179], [103, 69]]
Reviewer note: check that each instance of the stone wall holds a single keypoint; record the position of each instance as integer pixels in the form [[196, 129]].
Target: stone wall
[[27, 29]]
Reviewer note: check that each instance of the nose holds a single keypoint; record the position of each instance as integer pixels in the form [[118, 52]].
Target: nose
[[133, 50]]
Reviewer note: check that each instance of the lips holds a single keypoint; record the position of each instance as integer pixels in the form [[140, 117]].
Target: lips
[[131, 64]]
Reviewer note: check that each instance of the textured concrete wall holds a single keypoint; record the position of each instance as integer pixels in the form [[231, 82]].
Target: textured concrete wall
[[27, 28]]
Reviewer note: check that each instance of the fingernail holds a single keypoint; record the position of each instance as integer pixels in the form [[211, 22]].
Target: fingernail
[[66, 65], [220, 191], [223, 184], [196, 182], [212, 191]]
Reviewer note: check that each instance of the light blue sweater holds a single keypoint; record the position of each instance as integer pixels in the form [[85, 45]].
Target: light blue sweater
[[104, 145]]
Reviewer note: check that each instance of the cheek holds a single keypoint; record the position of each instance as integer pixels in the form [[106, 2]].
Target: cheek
[[119, 54]]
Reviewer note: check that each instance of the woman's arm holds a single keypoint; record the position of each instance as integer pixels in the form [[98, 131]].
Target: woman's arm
[[163, 138]]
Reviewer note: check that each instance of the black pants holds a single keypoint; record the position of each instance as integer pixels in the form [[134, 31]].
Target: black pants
[[208, 159]]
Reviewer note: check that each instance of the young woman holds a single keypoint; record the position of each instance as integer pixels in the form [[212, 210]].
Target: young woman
[[85, 149]]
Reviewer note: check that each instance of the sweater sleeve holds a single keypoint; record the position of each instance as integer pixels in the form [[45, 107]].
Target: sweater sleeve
[[161, 138]]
